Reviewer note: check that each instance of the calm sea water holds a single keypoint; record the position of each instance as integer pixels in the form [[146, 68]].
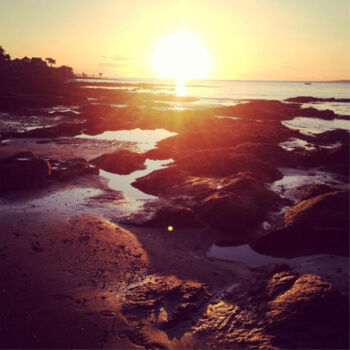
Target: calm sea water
[[228, 92]]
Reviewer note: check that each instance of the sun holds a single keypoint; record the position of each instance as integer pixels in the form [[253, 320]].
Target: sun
[[181, 56]]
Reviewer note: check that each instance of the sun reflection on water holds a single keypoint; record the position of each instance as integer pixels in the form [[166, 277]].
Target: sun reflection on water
[[180, 88]]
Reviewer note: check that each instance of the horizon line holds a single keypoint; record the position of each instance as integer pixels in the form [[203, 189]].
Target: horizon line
[[204, 79]]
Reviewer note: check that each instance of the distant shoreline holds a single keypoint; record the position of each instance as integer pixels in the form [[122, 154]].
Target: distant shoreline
[[228, 80]]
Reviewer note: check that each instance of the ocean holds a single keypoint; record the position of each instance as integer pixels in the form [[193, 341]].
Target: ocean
[[211, 93]]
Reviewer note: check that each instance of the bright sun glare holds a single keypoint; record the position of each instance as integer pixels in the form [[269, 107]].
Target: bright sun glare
[[181, 56]]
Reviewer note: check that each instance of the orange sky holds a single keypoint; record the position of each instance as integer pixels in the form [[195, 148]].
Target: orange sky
[[253, 39]]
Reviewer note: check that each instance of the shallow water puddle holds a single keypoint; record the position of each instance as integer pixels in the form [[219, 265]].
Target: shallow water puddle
[[293, 181], [123, 182], [294, 143], [226, 117], [247, 255], [310, 126], [145, 139], [332, 267]]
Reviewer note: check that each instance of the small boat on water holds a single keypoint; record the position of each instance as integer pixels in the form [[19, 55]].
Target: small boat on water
[[307, 83]]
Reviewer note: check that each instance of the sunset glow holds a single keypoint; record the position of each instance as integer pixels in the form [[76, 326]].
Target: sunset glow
[[174, 174], [181, 55], [224, 39]]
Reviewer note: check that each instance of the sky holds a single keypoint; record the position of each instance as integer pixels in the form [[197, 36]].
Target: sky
[[252, 39]]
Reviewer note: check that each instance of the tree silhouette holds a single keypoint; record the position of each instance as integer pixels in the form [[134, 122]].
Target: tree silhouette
[[25, 59], [51, 62], [3, 56], [26, 74]]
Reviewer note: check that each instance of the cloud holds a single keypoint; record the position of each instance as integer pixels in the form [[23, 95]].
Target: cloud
[[111, 64]]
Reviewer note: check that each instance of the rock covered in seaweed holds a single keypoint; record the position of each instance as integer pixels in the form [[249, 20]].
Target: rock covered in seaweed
[[317, 225], [121, 162]]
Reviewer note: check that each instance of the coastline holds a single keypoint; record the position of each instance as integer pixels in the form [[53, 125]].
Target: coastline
[[91, 266]]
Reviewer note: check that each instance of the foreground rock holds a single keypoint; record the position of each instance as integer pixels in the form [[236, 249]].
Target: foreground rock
[[23, 170], [233, 204], [166, 303], [27, 171], [121, 162], [318, 225], [277, 310]]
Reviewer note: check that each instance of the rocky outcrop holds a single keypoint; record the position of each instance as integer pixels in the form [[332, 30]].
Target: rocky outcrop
[[318, 225], [121, 162], [23, 170], [262, 109], [310, 99], [275, 308], [222, 136], [238, 207], [233, 204], [175, 215], [315, 190], [278, 309], [220, 163], [167, 303], [26, 171], [337, 135], [331, 159], [161, 182]]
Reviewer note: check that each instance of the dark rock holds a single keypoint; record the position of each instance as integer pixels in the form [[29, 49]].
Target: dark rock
[[262, 109], [337, 135], [332, 159], [316, 113], [219, 163], [173, 215], [315, 190], [282, 310], [310, 99], [166, 302], [231, 204], [318, 225], [238, 207], [160, 182], [121, 162], [23, 170], [225, 136]]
